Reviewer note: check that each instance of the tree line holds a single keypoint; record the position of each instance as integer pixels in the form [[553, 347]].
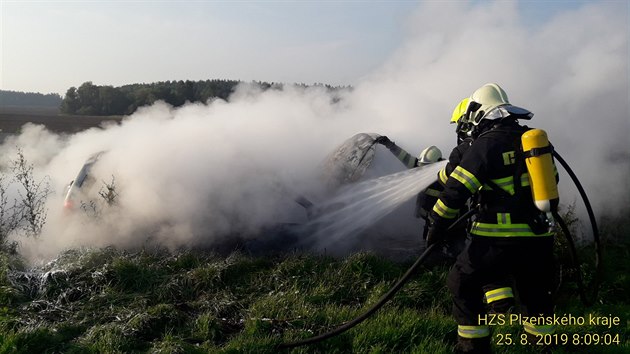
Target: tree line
[[90, 99], [30, 99]]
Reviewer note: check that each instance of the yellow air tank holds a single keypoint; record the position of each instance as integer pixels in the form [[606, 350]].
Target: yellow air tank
[[542, 178]]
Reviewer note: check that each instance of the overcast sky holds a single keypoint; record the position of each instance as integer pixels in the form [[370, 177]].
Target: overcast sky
[[49, 46]]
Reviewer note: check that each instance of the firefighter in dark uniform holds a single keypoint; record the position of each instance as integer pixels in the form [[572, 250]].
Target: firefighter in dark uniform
[[457, 240], [510, 238], [427, 156], [426, 199], [498, 295]]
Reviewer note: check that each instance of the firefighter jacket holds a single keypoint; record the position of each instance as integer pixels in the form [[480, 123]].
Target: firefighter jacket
[[430, 194], [401, 154], [426, 200], [454, 160], [492, 169]]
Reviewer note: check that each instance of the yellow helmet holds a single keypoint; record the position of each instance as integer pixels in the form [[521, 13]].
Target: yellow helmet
[[460, 110]]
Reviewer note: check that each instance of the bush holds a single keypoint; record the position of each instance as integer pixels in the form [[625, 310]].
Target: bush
[[27, 213]]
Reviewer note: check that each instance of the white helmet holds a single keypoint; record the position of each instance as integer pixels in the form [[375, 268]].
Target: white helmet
[[430, 155], [491, 102]]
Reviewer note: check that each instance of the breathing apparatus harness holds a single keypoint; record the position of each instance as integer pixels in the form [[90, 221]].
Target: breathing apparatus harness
[[537, 152]]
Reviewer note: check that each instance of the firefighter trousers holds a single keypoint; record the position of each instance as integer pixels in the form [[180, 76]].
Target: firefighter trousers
[[489, 262]]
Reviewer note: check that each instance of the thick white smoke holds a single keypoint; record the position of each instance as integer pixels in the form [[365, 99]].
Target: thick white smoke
[[571, 71], [191, 175]]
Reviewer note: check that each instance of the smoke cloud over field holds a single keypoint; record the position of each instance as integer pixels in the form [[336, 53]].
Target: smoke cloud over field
[[194, 174]]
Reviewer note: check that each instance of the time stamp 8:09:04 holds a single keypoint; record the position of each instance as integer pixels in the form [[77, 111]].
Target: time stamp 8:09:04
[[559, 339]]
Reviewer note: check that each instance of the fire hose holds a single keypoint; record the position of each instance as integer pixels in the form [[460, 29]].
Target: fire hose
[[399, 284]]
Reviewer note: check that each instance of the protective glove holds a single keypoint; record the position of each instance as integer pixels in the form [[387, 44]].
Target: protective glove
[[436, 233], [384, 141]]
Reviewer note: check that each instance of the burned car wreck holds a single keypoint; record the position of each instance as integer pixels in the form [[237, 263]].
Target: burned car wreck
[[350, 163]]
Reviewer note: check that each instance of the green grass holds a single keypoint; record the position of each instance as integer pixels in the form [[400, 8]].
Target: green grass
[[109, 301]]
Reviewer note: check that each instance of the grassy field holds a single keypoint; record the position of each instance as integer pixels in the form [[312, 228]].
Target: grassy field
[[108, 301], [13, 118], [112, 301]]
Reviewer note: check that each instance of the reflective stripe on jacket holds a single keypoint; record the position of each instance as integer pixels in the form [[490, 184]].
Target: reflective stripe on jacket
[[401, 154], [488, 169]]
